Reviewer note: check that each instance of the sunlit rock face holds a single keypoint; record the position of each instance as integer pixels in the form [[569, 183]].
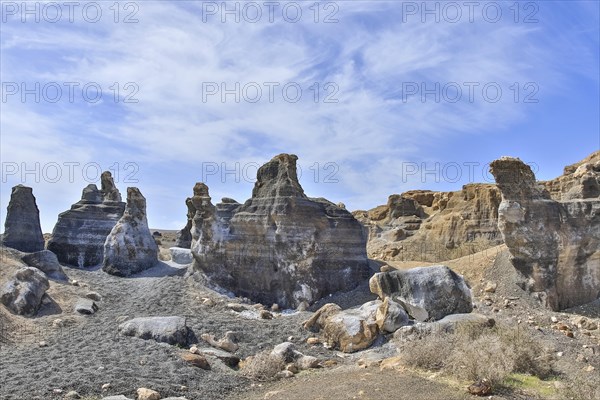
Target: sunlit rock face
[[78, 236], [280, 246], [555, 244]]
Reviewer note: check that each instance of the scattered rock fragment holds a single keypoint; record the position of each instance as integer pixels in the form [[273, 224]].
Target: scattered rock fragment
[[227, 343], [86, 306], [197, 360], [147, 394], [172, 330]]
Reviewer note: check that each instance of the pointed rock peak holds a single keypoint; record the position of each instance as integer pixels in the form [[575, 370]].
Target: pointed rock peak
[[91, 194], [515, 179], [136, 204], [200, 189], [278, 178], [108, 188], [22, 229]]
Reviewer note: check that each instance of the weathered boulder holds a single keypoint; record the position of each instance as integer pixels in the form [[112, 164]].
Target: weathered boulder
[[47, 262], [184, 236], [348, 330], [22, 230], [180, 255], [426, 293], [554, 244], [390, 316], [280, 246], [23, 293], [79, 235], [130, 247], [171, 330]]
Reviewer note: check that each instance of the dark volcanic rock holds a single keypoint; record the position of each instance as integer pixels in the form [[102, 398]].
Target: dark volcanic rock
[[279, 246], [427, 293], [79, 235], [554, 244], [23, 293], [130, 247], [47, 262], [22, 230]]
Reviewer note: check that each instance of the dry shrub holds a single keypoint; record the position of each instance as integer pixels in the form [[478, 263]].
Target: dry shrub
[[428, 353], [475, 353], [262, 366], [486, 357]]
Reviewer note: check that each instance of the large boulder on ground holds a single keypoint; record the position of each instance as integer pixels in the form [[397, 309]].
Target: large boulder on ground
[[47, 262], [280, 246], [427, 293], [347, 330], [130, 247], [554, 244], [180, 255], [23, 293], [171, 330], [22, 230], [79, 235]]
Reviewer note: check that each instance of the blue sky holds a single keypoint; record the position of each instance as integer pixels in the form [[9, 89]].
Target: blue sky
[[387, 117]]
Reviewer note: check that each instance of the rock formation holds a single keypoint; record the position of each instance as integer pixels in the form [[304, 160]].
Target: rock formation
[[280, 246], [579, 181], [554, 244], [22, 230], [23, 293], [129, 247], [79, 235], [422, 225], [184, 236], [357, 328], [426, 293]]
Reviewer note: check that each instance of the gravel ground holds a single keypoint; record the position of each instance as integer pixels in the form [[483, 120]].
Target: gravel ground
[[89, 353]]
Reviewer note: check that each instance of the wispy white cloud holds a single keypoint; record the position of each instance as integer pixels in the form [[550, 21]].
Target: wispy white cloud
[[368, 54]]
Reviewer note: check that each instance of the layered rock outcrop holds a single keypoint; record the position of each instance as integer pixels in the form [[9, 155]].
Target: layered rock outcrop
[[22, 230], [79, 235], [129, 247], [280, 246], [422, 225], [578, 181], [554, 244]]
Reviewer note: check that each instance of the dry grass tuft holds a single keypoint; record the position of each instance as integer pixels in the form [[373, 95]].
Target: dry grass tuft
[[262, 367], [473, 353]]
